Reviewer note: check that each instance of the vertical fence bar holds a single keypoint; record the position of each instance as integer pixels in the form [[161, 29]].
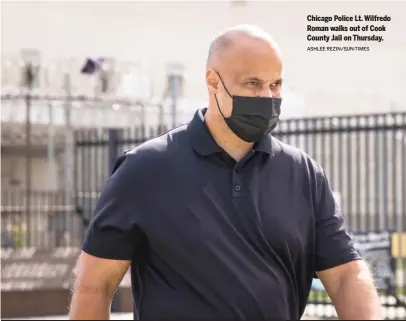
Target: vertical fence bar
[[348, 178], [77, 235], [382, 175], [377, 168], [69, 151], [98, 155], [87, 170], [323, 149], [94, 163], [395, 198], [79, 180], [402, 214], [358, 174], [332, 155], [35, 213], [28, 165], [51, 136], [113, 143], [385, 176], [368, 177], [341, 165], [363, 182]]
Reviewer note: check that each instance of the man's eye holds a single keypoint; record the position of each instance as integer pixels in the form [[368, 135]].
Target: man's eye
[[276, 85], [253, 83]]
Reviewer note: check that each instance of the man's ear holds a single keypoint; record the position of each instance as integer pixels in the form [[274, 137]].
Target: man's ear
[[212, 81]]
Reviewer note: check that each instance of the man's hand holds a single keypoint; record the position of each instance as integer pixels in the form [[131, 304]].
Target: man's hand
[[97, 280], [351, 288]]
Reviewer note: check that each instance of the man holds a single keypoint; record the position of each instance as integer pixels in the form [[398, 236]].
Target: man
[[218, 219]]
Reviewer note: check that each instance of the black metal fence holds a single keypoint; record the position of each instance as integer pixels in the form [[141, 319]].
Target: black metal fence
[[38, 219], [363, 156]]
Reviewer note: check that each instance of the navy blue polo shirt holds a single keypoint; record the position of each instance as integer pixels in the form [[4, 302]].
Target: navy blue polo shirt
[[212, 238]]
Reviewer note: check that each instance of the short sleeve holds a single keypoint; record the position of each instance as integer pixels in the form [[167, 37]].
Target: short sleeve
[[334, 246], [113, 231]]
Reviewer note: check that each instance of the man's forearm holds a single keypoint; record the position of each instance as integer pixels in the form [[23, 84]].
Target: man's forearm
[[90, 305], [357, 298]]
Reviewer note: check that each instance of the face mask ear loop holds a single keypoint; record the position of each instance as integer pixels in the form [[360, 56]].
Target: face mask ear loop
[[218, 106], [224, 85], [215, 96]]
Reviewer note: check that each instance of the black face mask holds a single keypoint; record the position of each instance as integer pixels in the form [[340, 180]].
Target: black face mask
[[252, 118]]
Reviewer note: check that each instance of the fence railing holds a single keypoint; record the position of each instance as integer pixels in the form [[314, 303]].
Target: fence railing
[[39, 219]]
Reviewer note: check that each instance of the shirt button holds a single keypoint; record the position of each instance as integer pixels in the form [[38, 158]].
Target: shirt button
[[237, 188]]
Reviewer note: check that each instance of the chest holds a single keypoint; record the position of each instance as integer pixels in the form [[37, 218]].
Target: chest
[[247, 210]]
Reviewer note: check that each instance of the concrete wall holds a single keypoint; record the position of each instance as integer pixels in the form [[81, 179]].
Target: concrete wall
[[13, 173], [158, 33]]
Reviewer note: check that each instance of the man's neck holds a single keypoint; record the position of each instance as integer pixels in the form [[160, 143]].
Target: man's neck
[[225, 138]]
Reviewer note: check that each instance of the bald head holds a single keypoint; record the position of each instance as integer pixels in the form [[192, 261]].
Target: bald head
[[243, 61], [240, 37]]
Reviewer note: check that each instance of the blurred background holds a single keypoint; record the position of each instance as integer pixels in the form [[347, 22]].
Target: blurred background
[[83, 81]]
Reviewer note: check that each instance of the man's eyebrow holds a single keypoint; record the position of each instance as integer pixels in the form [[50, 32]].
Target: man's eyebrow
[[278, 81], [252, 79]]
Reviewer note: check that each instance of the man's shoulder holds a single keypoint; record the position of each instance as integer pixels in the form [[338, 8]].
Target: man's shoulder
[[295, 156], [160, 146]]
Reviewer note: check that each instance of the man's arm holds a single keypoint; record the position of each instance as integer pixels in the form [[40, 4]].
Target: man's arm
[[351, 288], [97, 280], [345, 276], [111, 242]]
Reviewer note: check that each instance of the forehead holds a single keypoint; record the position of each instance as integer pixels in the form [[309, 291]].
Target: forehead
[[254, 59]]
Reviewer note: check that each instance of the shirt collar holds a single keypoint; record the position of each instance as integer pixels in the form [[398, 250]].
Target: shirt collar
[[204, 144]]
